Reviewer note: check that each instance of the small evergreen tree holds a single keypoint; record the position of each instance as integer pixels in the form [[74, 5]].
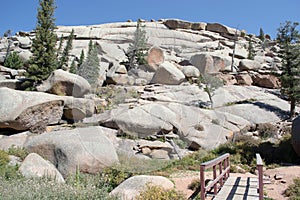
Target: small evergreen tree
[[90, 67], [138, 49], [63, 61], [288, 39], [73, 67], [251, 50], [261, 35], [81, 58], [44, 59], [61, 42], [211, 84], [90, 46], [13, 61]]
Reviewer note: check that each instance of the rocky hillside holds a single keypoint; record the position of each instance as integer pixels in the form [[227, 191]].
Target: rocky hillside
[[159, 108]]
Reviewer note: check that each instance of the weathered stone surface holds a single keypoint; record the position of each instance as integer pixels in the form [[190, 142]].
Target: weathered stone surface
[[204, 62], [267, 81], [190, 71], [198, 26], [146, 120], [25, 42], [168, 74], [178, 24], [119, 79], [207, 63], [34, 166], [22, 110], [243, 79], [10, 83], [131, 188], [247, 64], [222, 29], [155, 57], [229, 79], [159, 154], [155, 149], [87, 149], [296, 135], [17, 140], [234, 93], [12, 72], [61, 82], [142, 75], [78, 108], [194, 125], [121, 69]]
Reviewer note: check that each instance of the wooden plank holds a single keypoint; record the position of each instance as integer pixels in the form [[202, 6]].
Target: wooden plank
[[237, 188]]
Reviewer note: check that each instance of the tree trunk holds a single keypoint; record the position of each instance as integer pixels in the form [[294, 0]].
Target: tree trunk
[[292, 108]]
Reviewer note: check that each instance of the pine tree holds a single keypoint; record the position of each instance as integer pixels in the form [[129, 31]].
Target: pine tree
[[63, 61], [251, 50], [13, 61], [44, 60], [61, 42], [73, 67], [261, 35], [90, 67], [288, 39], [81, 59], [138, 49]]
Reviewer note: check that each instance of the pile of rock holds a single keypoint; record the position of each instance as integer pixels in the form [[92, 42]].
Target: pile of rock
[[170, 105]]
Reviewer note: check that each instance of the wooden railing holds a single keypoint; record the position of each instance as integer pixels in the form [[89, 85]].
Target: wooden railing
[[223, 164], [259, 165]]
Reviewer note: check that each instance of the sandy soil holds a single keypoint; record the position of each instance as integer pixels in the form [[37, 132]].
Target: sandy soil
[[274, 188]]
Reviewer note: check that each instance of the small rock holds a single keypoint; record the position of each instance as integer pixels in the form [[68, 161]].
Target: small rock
[[146, 150]]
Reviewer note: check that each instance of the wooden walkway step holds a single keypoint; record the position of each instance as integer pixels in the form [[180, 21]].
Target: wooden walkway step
[[238, 188]]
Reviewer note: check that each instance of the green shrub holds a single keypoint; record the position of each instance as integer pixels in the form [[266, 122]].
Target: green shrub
[[22, 188], [18, 151], [293, 191], [113, 177], [135, 166], [13, 61], [194, 185], [114, 96], [4, 158], [9, 172], [158, 193]]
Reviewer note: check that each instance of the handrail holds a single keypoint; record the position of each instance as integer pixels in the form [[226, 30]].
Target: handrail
[[215, 161], [223, 163], [259, 165]]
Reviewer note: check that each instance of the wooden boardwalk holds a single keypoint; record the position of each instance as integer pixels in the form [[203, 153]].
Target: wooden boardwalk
[[238, 188]]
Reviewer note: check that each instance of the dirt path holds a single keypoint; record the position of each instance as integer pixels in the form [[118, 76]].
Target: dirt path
[[274, 188]]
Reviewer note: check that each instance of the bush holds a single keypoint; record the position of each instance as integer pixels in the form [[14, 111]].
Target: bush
[[293, 191], [22, 188], [158, 193], [18, 151], [113, 177], [13, 61], [4, 158], [267, 130]]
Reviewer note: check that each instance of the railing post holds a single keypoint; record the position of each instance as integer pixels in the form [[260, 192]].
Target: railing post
[[202, 182], [215, 176], [259, 164], [220, 171]]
